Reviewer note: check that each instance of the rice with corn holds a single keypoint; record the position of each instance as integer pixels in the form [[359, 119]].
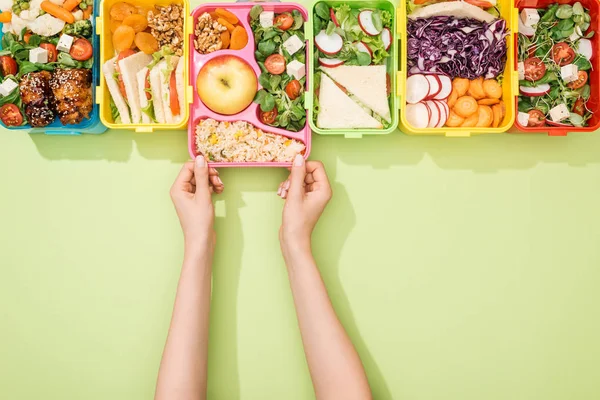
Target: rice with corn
[[240, 141]]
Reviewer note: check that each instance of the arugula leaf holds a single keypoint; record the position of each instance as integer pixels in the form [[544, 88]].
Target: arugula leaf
[[264, 79], [274, 82], [322, 10]]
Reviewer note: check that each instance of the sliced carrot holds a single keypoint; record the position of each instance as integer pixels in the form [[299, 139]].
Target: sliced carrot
[[488, 102], [58, 12], [492, 88], [452, 98], [485, 116], [465, 106], [226, 24], [87, 13], [225, 39], [5, 17], [229, 16], [239, 38], [69, 5], [461, 85], [476, 89], [454, 120], [471, 121], [497, 110]]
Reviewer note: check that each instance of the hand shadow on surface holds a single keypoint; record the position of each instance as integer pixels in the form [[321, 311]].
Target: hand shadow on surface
[[163, 145], [327, 251]]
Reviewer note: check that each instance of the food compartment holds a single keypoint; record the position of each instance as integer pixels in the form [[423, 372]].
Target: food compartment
[[353, 68], [588, 103], [144, 63], [452, 81], [225, 84]]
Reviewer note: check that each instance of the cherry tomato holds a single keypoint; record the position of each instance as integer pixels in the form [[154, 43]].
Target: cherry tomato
[[579, 106], [536, 118], [268, 117], [174, 99], [147, 86], [11, 115], [284, 21], [293, 89], [122, 55], [26, 37], [275, 64], [582, 78], [534, 69], [81, 50], [8, 66], [51, 51], [562, 54]]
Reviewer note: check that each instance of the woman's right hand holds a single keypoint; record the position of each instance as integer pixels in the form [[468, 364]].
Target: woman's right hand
[[306, 192]]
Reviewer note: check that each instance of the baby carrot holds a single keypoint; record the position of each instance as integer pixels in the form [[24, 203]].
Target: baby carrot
[[58, 12], [69, 5]]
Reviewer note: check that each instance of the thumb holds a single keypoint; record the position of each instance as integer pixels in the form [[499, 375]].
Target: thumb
[[201, 175], [298, 173]]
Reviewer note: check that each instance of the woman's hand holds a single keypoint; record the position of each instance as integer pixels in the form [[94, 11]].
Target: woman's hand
[[306, 192], [191, 195]]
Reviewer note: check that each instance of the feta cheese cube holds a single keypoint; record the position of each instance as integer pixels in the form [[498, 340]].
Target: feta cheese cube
[[296, 69], [523, 118], [266, 18], [559, 113], [521, 68], [569, 72], [38, 55], [7, 87], [64, 43], [293, 44], [530, 16]]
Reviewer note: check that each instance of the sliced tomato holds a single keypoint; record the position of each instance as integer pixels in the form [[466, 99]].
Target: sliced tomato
[[11, 115], [147, 86], [562, 54], [81, 50], [175, 109], [284, 21], [268, 117], [26, 37], [535, 69], [293, 89], [275, 64], [8, 66], [579, 106], [122, 55], [582, 78], [536, 118], [51, 51]]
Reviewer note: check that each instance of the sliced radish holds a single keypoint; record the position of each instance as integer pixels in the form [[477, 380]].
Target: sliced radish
[[362, 47], [585, 48], [435, 85], [329, 44], [365, 20], [428, 111], [330, 62], [445, 114], [386, 38], [417, 88], [434, 119], [535, 91], [525, 30], [550, 122], [446, 87], [417, 115], [333, 18]]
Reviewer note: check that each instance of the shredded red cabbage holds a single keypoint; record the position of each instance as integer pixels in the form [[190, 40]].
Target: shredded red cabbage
[[463, 47]]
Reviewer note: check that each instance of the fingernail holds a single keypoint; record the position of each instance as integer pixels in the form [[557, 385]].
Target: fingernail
[[299, 160], [219, 180], [279, 192], [286, 185], [283, 193], [200, 161]]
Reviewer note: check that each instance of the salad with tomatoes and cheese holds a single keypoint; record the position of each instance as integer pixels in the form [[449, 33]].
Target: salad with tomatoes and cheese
[[46, 62], [554, 51]]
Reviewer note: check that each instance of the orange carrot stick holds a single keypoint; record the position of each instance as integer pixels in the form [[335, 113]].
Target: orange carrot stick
[[58, 12], [69, 5]]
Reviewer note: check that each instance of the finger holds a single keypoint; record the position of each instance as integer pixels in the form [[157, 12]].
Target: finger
[[296, 190], [213, 172], [309, 178], [317, 170], [201, 174], [185, 177], [215, 180], [219, 189]]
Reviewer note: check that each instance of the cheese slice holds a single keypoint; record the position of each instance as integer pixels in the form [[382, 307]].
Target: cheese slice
[[338, 111], [366, 83]]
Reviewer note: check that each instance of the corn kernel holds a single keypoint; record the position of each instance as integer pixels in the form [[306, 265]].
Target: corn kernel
[[288, 142], [213, 139]]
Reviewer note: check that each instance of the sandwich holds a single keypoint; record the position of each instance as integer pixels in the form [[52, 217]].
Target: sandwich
[[367, 84], [122, 109], [457, 9], [338, 111]]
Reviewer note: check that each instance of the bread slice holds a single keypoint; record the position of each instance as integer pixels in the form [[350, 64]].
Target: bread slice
[[108, 69], [129, 67]]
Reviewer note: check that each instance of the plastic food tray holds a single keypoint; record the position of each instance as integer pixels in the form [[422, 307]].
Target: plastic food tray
[[594, 74], [91, 125], [199, 111], [392, 68], [107, 52]]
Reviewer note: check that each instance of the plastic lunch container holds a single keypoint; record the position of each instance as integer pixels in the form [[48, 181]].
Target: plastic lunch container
[[510, 12], [107, 52], [199, 111], [91, 125], [392, 67]]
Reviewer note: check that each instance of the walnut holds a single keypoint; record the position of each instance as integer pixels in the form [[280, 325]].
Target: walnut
[[166, 25], [207, 34]]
